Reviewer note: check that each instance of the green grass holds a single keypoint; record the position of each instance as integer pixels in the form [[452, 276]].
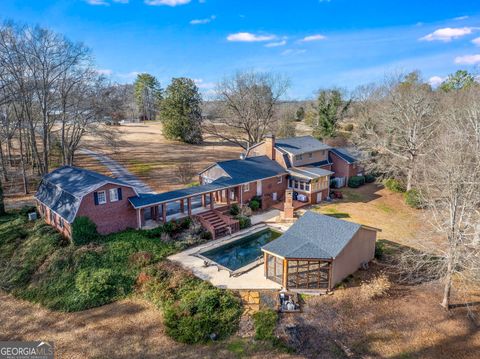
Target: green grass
[[140, 168], [352, 195], [37, 264], [384, 208], [333, 212]]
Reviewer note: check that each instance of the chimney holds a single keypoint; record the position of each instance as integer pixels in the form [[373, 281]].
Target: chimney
[[270, 146]]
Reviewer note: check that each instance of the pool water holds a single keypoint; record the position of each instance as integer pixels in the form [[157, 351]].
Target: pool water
[[243, 251]]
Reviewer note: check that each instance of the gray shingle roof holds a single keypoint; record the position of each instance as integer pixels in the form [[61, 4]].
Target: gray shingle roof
[[62, 189], [299, 145], [314, 236], [240, 171], [344, 154]]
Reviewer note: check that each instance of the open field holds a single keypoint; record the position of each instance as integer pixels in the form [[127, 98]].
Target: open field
[[144, 151]]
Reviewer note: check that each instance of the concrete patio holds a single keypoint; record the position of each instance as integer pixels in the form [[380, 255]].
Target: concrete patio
[[221, 277]]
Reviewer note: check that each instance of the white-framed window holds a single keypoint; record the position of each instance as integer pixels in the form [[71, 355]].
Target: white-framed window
[[246, 187], [113, 192], [279, 179], [60, 222], [102, 197]]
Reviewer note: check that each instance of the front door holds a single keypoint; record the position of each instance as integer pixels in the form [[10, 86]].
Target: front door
[[319, 197], [274, 196], [259, 188]]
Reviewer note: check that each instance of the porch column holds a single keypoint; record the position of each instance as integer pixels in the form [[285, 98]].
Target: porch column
[[240, 195], [182, 206], [228, 196], [164, 212], [139, 219], [189, 204], [285, 273], [204, 204], [211, 200]]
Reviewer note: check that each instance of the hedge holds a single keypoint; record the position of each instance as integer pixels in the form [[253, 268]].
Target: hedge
[[84, 231], [356, 181], [394, 185], [414, 199], [265, 322]]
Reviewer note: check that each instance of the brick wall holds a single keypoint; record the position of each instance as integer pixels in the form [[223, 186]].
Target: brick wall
[[111, 216], [270, 186], [48, 215], [342, 168]]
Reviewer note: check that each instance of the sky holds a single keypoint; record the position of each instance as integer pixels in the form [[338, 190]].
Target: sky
[[315, 43]]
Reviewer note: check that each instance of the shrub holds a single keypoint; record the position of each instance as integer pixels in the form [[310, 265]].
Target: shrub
[[25, 210], [99, 286], [356, 181], [186, 223], [244, 221], [369, 178], [379, 249], [254, 204], [394, 185], [234, 209], [348, 127], [265, 322], [83, 231], [414, 199], [206, 235], [201, 313], [376, 288]]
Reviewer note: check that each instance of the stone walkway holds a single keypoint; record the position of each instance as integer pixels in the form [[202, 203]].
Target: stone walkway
[[119, 171]]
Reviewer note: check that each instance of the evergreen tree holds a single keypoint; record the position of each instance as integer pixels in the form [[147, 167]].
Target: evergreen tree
[[148, 95], [457, 81], [181, 112]]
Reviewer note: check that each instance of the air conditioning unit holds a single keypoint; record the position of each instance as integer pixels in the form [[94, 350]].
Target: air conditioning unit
[[32, 216]]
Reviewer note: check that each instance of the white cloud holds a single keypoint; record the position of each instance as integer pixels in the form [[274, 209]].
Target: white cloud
[[447, 34], [106, 2], [435, 81], [458, 18], [249, 37], [129, 75], [468, 59], [204, 85], [316, 37], [288, 52], [276, 44], [476, 41], [202, 21], [166, 2], [106, 72]]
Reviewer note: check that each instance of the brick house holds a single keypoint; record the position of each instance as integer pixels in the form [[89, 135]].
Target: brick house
[[69, 192], [301, 166]]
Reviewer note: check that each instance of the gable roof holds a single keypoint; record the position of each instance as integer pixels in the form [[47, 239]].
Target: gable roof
[[344, 155], [314, 236], [301, 144], [62, 190]]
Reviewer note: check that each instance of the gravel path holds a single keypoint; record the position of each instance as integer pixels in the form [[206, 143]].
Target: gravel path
[[119, 171]]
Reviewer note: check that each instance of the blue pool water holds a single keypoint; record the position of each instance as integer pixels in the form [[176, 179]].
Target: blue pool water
[[243, 251]]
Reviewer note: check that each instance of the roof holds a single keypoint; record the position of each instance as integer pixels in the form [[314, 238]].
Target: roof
[[309, 172], [62, 189], [344, 154], [299, 145], [239, 171], [251, 169], [314, 236]]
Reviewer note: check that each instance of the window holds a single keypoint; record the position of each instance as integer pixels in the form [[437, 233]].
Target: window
[[246, 187], [113, 192], [307, 187], [60, 222], [310, 155], [302, 185], [298, 157], [279, 179], [101, 197], [52, 217]]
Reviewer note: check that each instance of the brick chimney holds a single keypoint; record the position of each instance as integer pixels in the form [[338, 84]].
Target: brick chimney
[[270, 146]]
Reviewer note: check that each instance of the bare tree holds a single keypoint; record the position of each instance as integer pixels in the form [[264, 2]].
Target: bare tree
[[450, 187], [185, 172], [395, 124], [246, 106]]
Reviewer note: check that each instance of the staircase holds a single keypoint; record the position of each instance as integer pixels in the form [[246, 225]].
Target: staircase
[[217, 223]]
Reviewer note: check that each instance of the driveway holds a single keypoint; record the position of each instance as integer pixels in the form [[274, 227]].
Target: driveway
[[119, 171]]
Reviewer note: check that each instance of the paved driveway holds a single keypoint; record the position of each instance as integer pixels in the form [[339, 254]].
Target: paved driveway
[[119, 171]]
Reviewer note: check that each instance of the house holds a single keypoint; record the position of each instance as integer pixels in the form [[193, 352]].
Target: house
[[318, 252], [301, 166], [69, 192]]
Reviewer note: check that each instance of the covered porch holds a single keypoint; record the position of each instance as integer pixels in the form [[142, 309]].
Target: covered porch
[[156, 209]]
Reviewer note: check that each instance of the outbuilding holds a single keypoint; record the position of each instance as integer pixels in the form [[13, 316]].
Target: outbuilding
[[318, 252]]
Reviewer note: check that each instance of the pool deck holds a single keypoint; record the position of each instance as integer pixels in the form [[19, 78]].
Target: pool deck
[[221, 277]]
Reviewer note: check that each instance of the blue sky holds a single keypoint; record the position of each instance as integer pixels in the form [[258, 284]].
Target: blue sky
[[316, 43]]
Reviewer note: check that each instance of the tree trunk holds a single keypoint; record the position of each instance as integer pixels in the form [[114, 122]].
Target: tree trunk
[[448, 285], [22, 163], [2, 161], [2, 204], [410, 172]]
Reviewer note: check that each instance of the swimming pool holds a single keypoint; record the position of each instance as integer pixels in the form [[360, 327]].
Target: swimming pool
[[239, 253]]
